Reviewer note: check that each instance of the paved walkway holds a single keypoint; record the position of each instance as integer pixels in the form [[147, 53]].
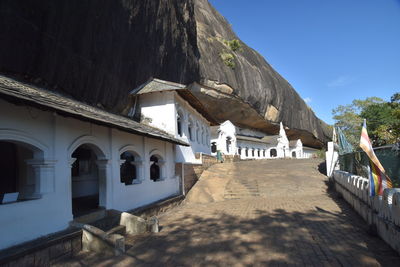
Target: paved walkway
[[257, 213]]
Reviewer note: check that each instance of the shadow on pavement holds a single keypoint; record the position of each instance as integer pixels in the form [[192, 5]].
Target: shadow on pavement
[[314, 238]]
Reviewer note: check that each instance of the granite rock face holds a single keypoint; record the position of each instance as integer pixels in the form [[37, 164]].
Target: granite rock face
[[98, 50]]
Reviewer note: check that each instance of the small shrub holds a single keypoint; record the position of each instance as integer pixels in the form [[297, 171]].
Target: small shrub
[[228, 59], [321, 154], [234, 45]]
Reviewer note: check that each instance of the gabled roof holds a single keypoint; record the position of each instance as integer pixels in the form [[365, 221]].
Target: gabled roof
[[310, 148], [18, 92], [156, 85]]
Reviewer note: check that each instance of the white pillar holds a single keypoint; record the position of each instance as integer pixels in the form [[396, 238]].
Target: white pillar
[[105, 193], [43, 179]]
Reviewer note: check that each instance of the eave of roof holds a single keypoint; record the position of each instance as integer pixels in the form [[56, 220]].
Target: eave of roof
[[252, 139], [12, 90], [271, 138], [157, 85], [310, 148]]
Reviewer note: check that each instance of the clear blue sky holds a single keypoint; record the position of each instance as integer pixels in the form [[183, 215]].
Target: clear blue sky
[[331, 52]]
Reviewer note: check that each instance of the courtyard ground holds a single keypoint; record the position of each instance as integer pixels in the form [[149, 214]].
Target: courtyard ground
[[256, 213]]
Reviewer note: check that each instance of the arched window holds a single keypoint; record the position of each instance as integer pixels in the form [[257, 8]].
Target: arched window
[[128, 169], [21, 171], [246, 152], [264, 153], [239, 151], [273, 153], [155, 168], [179, 122], [214, 147], [252, 152], [259, 153]]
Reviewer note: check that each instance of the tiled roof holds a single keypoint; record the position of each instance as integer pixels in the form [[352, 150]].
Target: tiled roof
[[252, 139], [157, 85], [271, 139], [310, 148], [12, 89]]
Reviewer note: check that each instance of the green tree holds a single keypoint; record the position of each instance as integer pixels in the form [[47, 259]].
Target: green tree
[[383, 119], [348, 117], [380, 123]]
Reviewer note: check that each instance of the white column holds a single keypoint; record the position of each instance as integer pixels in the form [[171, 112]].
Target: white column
[[43, 179], [104, 183]]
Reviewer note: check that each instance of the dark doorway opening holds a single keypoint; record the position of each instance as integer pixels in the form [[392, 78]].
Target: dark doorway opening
[[85, 181]]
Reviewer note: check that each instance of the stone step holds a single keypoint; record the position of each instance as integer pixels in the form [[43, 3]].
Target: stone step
[[241, 191], [241, 195], [119, 229]]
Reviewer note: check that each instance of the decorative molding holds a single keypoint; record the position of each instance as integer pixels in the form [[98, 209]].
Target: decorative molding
[[93, 141], [25, 138]]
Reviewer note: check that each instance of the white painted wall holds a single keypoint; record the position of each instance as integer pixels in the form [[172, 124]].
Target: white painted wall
[[332, 157], [298, 149], [252, 146], [56, 138], [225, 130], [200, 142], [162, 108], [159, 107]]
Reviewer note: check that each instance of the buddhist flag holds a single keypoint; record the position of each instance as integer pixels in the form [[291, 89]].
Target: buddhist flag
[[378, 180]]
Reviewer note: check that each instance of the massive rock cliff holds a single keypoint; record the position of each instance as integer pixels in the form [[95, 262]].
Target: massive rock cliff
[[98, 50]]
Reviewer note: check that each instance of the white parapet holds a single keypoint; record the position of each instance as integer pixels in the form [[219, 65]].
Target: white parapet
[[381, 211]]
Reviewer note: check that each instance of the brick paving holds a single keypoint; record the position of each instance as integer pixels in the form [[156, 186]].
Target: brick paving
[[267, 213]]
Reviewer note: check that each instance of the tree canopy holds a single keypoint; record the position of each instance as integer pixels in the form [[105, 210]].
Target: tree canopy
[[383, 119]]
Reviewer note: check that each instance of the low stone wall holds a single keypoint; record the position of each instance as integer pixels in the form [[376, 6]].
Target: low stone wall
[[230, 158], [208, 160], [380, 212], [43, 251], [158, 207], [191, 172]]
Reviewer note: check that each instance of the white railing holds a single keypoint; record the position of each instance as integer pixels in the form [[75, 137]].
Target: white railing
[[383, 212]]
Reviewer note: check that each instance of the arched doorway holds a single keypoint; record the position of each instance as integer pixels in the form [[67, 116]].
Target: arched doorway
[[214, 147], [273, 153], [294, 154], [87, 174]]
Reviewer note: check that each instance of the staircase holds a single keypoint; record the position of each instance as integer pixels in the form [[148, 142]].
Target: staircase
[[241, 189]]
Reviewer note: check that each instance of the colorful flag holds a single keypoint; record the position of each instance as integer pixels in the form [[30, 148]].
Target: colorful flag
[[378, 180]]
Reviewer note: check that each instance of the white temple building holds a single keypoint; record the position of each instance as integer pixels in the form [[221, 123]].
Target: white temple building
[[251, 144], [61, 158], [173, 108], [223, 138]]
